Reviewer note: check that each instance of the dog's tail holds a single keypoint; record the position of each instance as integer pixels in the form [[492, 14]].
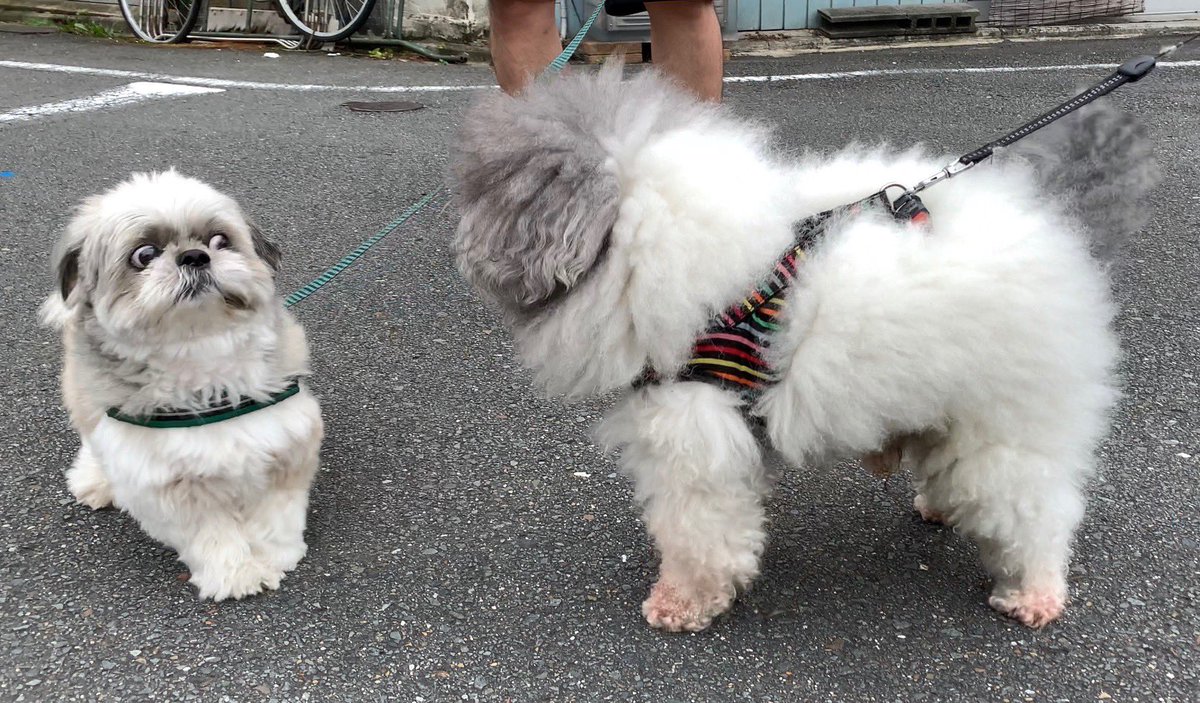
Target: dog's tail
[[1100, 163]]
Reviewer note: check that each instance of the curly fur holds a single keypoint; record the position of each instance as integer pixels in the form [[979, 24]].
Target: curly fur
[[1097, 163], [979, 350]]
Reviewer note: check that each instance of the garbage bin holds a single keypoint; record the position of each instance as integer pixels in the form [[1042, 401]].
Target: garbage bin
[[633, 28]]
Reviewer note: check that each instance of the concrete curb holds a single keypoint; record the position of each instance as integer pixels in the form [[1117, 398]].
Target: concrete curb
[[795, 42]]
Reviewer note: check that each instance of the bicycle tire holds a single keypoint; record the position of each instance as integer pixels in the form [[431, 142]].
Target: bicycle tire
[[314, 17], [144, 19]]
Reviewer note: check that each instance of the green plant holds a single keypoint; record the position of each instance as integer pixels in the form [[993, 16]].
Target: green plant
[[381, 53], [88, 28]]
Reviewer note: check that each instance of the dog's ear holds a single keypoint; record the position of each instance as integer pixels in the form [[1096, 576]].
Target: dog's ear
[[68, 274], [67, 261], [67, 270], [265, 248], [537, 194]]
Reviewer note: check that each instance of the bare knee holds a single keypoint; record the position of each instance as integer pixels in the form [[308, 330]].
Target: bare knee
[[680, 10], [504, 11]]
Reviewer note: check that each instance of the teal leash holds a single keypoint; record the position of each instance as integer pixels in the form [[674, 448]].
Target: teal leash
[[558, 64], [346, 261]]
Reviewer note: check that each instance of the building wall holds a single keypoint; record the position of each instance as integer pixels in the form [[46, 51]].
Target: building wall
[[466, 20], [765, 15], [1156, 7], [454, 20]]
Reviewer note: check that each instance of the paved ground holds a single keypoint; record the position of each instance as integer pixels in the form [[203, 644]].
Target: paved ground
[[455, 554]]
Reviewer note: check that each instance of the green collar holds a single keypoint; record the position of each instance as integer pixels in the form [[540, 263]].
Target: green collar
[[170, 418]]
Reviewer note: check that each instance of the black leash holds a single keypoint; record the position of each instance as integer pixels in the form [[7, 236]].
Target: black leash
[[1131, 71]]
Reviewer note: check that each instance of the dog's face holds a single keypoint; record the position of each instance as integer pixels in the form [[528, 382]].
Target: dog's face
[[163, 252]]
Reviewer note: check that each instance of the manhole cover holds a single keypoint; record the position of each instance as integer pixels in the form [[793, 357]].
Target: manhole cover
[[383, 106]]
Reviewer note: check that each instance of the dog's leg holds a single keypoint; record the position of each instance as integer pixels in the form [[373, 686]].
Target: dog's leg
[[886, 461], [86, 480], [276, 523], [199, 519], [927, 512], [698, 475], [1022, 508]]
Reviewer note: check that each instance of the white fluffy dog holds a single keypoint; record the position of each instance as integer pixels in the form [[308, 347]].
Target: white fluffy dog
[[612, 220], [183, 376]]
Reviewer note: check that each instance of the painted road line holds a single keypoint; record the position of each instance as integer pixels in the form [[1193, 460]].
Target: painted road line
[[223, 83], [226, 83], [125, 95], [881, 72]]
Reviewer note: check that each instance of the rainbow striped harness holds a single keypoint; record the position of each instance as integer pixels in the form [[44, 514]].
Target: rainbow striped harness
[[732, 352]]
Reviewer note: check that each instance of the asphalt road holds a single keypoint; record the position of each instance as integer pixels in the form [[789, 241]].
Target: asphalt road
[[456, 550]]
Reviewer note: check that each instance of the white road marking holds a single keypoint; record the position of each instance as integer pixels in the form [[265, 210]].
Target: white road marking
[[317, 87], [224, 83], [125, 95], [873, 73]]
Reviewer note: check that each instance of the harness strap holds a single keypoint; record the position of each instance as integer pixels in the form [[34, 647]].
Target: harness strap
[[732, 351]]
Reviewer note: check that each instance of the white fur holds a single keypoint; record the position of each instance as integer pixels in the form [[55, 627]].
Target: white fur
[[229, 497], [982, 347]]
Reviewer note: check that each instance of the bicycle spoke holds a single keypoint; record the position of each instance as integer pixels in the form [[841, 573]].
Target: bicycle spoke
[[160, 20], [327, 20]]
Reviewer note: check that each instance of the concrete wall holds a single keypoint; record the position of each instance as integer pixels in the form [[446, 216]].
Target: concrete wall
[[453, 20]]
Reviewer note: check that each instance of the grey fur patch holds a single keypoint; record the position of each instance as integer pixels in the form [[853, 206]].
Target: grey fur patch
[[535, 182], [1100, 162], [266, 249]]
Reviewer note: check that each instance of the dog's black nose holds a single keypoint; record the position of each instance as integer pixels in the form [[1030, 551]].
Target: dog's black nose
[[196, 258]]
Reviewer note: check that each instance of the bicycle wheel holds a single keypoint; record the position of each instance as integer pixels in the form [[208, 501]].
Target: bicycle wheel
[[327, 20], [161, 21]]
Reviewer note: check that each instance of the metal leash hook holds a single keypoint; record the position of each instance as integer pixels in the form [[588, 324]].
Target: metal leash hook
[[906, 207]]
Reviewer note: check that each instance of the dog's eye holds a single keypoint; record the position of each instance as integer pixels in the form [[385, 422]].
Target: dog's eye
[[218, 241], [142, 256]]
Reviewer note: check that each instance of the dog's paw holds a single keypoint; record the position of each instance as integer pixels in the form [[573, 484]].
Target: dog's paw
[[286, 557], [245, 579], [669, 609], [1032, 607], [928, 514], [88, 484]]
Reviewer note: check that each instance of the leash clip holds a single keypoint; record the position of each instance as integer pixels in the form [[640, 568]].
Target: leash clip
[[949, 171]]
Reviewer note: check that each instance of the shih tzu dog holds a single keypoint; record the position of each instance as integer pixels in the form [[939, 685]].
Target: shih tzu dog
[[612, 221], [183, 375]]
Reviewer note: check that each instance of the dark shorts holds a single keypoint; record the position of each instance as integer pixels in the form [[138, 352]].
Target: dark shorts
[[621, 8]]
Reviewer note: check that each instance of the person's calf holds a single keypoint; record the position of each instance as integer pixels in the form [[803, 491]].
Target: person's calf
[[685, 39], [524, 40]]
